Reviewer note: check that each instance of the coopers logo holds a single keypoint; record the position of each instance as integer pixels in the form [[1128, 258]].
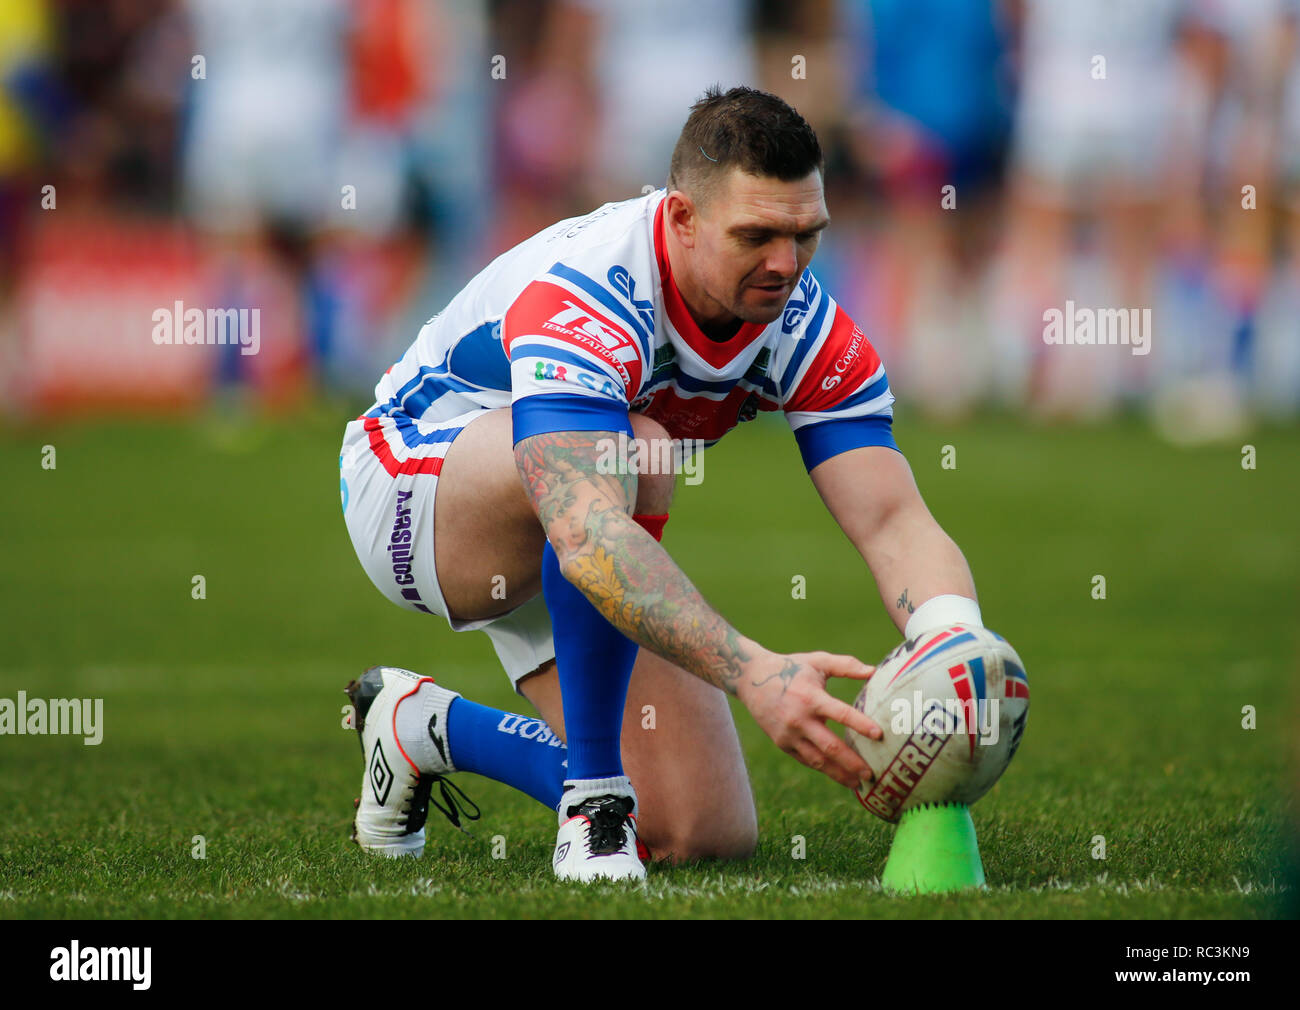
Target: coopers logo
[[845, 360]]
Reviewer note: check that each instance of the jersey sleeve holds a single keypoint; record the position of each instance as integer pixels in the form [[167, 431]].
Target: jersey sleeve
[[575, 363], [833, 385]]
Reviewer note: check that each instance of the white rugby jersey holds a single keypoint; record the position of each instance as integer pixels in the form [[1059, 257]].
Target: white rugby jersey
[[582, 323]]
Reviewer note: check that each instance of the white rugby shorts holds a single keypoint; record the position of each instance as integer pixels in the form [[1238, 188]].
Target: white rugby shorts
[[388, 470]]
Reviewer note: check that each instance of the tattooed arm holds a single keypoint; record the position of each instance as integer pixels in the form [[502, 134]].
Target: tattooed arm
[[632, 580], [872, 495], [625, 573]]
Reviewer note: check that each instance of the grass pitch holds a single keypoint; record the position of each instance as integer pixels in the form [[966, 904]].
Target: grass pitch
[[223, 715]]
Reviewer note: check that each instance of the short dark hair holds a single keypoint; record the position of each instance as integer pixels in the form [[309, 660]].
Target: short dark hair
[[743, 128]]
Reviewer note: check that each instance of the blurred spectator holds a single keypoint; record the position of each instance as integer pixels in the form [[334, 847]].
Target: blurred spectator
[[25, 88], [1091, 151], [368, 267], [267, 117], [929, 119], [452, 131], [547, 114], [1223, 292], [651, 63], [1279, 366]]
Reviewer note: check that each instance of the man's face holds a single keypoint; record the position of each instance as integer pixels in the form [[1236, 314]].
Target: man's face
[[753, 239]]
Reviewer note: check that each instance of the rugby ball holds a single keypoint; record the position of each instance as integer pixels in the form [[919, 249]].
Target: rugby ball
[[952, 705]]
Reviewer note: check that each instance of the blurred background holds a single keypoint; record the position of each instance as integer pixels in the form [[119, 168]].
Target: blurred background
[[345, 166]]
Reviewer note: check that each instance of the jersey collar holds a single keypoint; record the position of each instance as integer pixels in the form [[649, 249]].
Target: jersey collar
[[717, 353]]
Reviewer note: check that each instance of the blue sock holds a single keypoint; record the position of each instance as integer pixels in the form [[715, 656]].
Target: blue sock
[[521, 752], [594, 661]]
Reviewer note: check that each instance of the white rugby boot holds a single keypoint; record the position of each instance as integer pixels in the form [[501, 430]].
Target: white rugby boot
[[597, 838], [395, 792]]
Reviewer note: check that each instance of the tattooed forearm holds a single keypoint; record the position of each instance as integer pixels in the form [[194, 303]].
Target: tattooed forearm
[[557, 466], [641, 591], [904, 603], [617, 565]]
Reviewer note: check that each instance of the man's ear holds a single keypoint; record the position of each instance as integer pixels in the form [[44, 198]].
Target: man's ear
[[681, 216]]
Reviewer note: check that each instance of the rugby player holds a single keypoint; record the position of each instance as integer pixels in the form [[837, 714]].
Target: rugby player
[[474, 489]]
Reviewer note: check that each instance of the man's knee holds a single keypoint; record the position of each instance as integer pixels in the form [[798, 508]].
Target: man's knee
[[657, 474], [686, 843], [723, 824]]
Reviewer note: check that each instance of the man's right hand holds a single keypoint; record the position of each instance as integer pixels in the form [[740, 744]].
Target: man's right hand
[[787, 697]]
